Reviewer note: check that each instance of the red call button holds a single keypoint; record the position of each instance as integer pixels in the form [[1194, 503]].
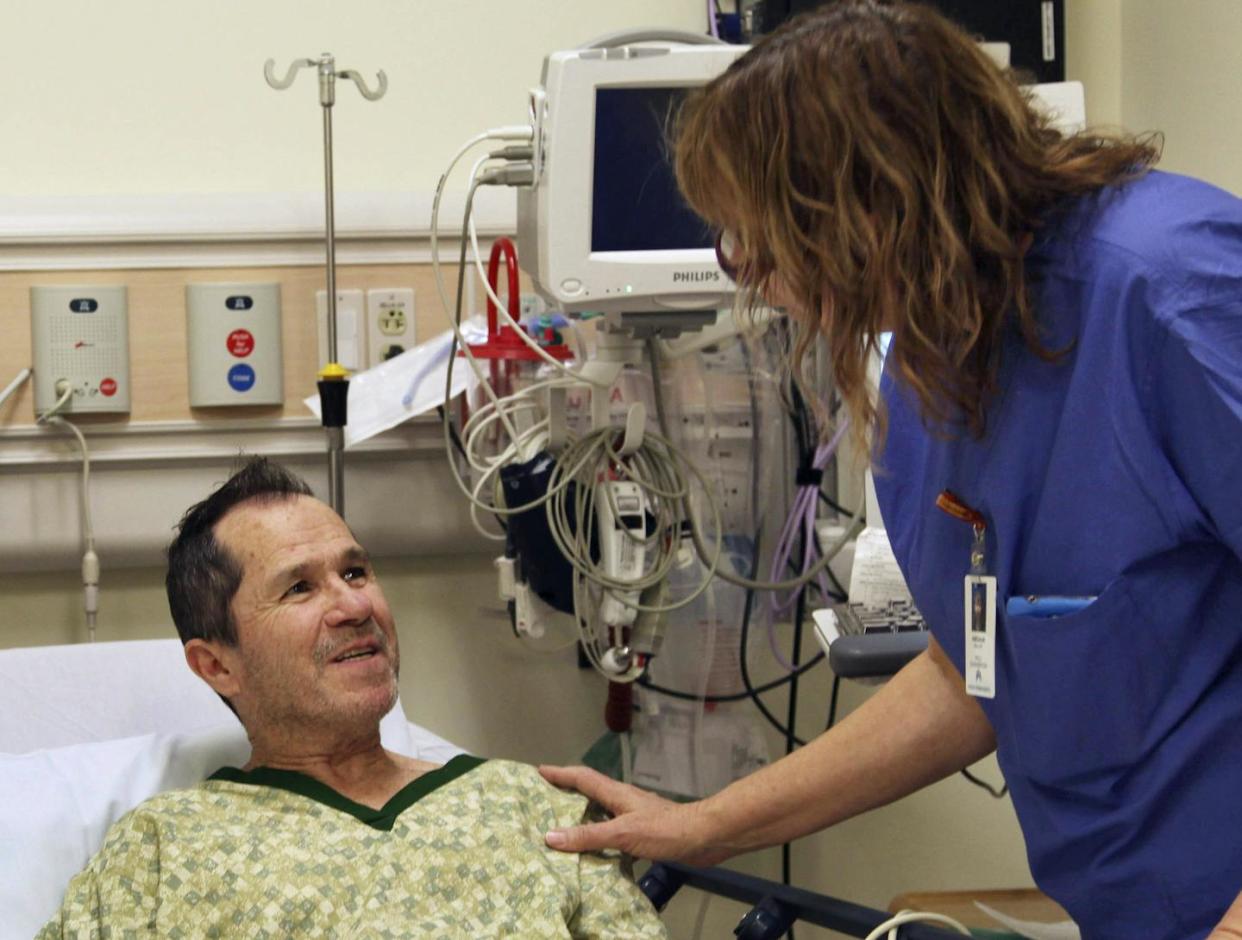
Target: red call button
[[107, 387], [241, 343]]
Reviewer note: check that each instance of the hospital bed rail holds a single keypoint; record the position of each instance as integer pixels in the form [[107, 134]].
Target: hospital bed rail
[[776, 907]]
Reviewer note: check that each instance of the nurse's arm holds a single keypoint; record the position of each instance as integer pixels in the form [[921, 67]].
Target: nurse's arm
[[920, 727], [1231, 927]]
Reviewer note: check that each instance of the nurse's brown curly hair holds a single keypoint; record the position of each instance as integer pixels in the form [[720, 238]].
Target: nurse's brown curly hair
[[882, 173]]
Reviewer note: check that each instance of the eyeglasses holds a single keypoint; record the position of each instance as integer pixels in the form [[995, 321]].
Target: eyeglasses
[[728, 248]]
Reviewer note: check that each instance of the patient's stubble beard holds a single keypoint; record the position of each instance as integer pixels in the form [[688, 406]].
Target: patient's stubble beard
[[287, 705]]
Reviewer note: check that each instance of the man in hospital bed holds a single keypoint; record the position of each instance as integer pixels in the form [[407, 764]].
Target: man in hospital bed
[[324, 832]]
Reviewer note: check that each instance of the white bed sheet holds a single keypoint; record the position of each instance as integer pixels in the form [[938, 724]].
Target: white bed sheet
[[87, 733]]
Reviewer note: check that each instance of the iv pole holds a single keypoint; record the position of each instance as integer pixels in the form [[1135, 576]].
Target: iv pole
[[333, 378]]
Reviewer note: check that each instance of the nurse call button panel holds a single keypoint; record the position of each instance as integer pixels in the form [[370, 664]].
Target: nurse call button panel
[[233, 331], [81, 336]]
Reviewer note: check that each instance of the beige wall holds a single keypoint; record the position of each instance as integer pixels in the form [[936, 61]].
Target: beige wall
[[1151, 65], [1180, 65], [1093, 56], [141, 96], [148, 96]]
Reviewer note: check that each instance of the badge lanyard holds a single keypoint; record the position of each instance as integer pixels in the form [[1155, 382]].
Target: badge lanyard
[[979, 602]]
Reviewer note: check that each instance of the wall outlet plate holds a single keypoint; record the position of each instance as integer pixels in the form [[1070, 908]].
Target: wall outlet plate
[[81, 334], [351, 332], [234, 344], [390, 323]]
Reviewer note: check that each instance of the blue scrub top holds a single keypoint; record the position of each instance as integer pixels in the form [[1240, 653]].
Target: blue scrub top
[[1113, 472]]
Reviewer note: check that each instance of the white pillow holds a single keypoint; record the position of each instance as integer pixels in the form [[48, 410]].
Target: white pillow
[[57, 805]]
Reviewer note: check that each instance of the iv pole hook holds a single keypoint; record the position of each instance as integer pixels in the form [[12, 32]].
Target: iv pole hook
[[328, 74], [363, 88], [280, 84]]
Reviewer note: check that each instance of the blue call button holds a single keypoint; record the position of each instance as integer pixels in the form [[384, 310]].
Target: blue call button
[[241, 378]]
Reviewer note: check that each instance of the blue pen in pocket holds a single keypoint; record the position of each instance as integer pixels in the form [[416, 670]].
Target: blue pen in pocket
[[1044, 605]]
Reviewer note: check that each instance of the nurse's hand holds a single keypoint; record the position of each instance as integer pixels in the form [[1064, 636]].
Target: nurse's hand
[[643, 824], [1231, 927]]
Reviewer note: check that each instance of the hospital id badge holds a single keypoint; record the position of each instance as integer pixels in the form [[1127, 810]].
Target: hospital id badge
[[980, 659]]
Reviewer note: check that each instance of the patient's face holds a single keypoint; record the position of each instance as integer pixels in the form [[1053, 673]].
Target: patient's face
[[316, 641]]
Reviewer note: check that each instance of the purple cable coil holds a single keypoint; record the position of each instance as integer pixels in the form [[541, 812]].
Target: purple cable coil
[[801, 519]]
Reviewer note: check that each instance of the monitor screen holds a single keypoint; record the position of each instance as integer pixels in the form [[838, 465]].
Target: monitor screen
[[636, 205]]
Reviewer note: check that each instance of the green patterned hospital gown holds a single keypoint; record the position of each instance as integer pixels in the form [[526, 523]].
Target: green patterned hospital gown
[[270, 853]]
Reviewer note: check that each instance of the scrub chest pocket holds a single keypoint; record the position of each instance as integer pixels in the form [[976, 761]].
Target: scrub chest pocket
[[1083, 688]]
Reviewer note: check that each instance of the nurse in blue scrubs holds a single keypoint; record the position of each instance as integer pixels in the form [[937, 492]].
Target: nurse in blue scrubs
[[1057, 454]]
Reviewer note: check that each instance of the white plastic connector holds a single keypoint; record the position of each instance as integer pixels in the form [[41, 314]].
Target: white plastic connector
[[90, 590], [621, 541], [64, 391], [515, 174], [90, 567], [529, 612], [511, 132], [505, 577], [513, 152]]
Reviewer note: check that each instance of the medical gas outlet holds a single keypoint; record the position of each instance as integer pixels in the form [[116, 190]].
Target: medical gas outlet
[[81, 341], [233, 332]]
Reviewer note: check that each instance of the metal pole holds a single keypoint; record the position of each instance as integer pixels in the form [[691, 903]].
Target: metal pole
[[327, 97], [333, 379], [336, 434], [336, 470]]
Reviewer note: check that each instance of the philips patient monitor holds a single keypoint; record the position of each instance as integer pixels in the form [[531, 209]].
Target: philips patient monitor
[[604, 227]]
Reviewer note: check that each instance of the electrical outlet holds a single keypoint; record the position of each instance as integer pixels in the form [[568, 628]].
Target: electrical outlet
[[351, 333], [390, 322]]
